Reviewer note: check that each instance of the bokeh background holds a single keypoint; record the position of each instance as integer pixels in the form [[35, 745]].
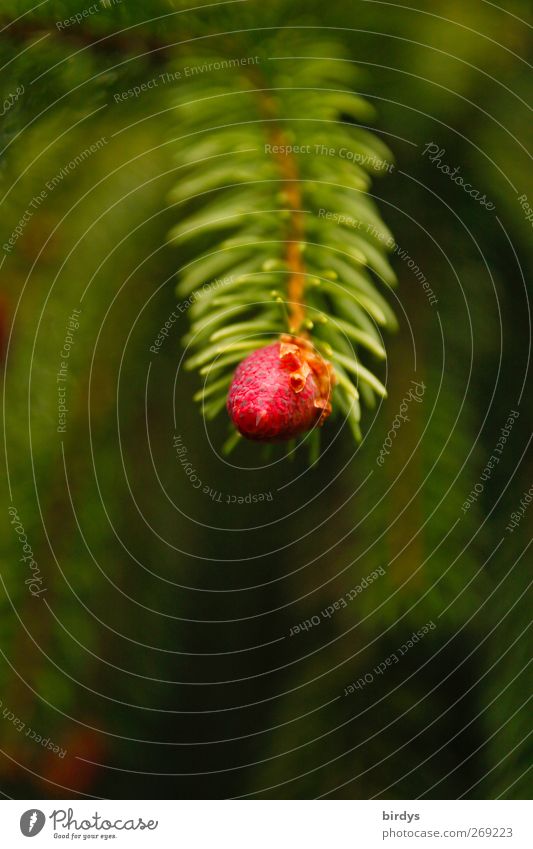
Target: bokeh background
[[159, 660]]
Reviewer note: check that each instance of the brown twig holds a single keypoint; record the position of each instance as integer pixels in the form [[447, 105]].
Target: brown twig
[[150, 48], [291, 179]]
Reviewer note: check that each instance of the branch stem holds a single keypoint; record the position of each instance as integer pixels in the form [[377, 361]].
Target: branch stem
[[290, 177]]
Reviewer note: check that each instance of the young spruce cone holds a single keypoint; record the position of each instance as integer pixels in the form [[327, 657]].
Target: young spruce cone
[[280, 391]]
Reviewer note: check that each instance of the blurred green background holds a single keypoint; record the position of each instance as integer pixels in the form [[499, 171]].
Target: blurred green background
[[160, 660]]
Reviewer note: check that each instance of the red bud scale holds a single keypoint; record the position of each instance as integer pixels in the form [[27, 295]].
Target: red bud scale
[[280, 391]]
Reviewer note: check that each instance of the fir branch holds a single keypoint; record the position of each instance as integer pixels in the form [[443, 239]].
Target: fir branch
[[267, 201]]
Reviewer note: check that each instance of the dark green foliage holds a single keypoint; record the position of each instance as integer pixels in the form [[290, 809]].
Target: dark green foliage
[[163, 649]]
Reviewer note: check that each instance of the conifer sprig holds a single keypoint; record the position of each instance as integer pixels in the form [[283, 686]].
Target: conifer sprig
[[281, 232]]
